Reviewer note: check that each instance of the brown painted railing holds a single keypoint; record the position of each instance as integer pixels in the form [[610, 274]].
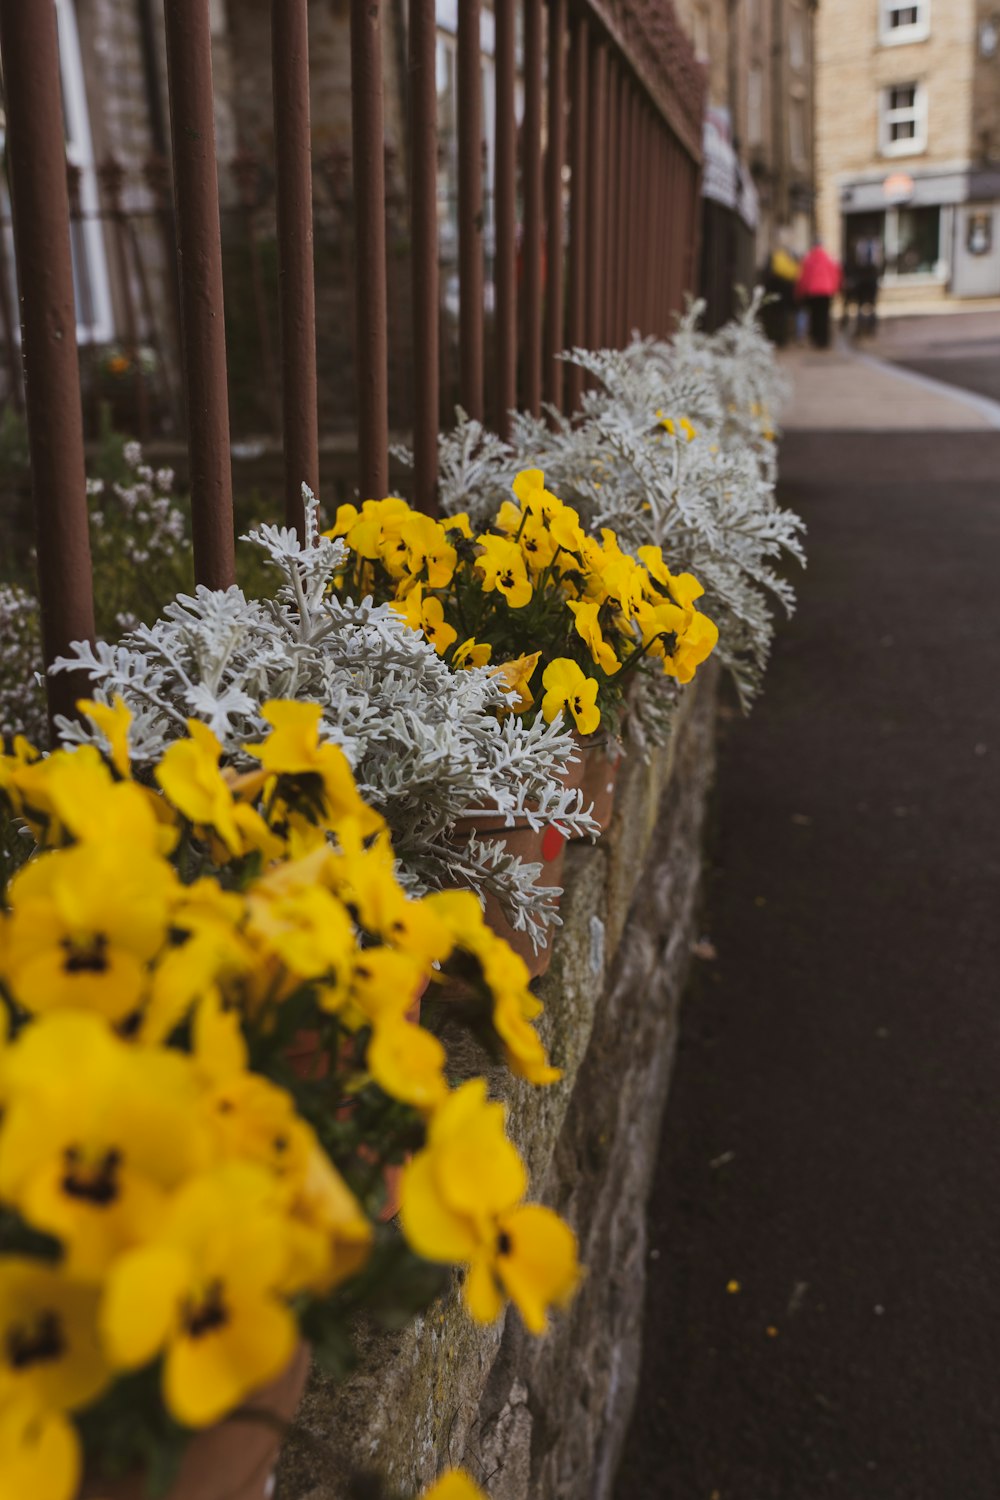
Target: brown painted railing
[[609, 151]]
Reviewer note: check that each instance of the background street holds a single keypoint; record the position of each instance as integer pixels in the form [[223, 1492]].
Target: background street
[[824, 1309]]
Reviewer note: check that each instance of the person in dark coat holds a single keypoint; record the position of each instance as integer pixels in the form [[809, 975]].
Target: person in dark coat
[[818, 284]]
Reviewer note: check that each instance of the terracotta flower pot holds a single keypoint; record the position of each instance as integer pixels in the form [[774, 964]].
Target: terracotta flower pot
[[545, 847], [601, 758], [236, 1459]]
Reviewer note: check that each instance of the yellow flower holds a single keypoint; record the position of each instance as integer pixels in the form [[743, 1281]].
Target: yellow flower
[[423, 551], [454, 1485], [458, 522], [113, 721], [207, 1296], [672, 427], [366, 530], [561, 520], [191, 778], [408, 1063], [317, 768], [471, 653], [538, 544], [503, 568], [96, 1136], [74, 791], [49, 1348], [461, 1202], [85, 923], [41, 1455], [306, 929], [427, 616], [588, 627], [567, 687], [516, 676]]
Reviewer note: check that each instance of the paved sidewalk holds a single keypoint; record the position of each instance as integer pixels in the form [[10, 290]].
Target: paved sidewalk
[[823, 1304], [842, 388]]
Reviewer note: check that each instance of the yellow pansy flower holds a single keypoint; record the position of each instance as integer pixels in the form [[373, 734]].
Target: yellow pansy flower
[[50, 1352], [427, 616], [458, 522], [454, 1485], [96, 1136], [461, 1202], [560, 519], [516, 676], [83, 927], [568, 688], [538, 544], [367, 531], [190, 776], [682, 425], [318, 768], [41, 1455], [74, 791], [588, 627], [471, 653], [113, 721], [408, 1063], [206, 1294], [502, 564], [427, 554]]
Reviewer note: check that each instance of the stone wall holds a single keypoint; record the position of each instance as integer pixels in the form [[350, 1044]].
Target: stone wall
[[546, 1418]]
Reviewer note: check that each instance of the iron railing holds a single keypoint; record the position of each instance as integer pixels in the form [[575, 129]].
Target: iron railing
[[609, 153]]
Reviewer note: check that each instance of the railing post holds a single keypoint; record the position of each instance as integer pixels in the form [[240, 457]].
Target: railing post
[[505, 216], [596, 185], [199, 248], [29, 47], [424, 228], [296, 274], [470, 208], [578, 232], [555, 277], [368, 126], [532, 180]]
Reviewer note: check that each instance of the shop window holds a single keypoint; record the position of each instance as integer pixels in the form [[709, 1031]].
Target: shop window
[[903, 119], [916, 250], [904, 21]]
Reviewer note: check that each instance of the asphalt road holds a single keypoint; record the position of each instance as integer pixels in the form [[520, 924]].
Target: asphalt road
[[961, 349], [823, 1318]]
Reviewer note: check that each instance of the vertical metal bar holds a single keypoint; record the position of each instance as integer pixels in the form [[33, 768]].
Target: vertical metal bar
[[424, 261], [620, 305], [296, 275], [505, 214], [368, 130], [579, 78], [533, 43], [199, 250], [595, 192], [29, 47], [470, 208], [555, 278], [614, 205]]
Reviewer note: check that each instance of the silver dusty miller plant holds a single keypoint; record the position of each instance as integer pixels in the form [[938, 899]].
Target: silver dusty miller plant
[[426, 744], [706, 499]]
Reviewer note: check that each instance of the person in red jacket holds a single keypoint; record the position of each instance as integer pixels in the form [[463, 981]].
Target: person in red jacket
[[818, 284]]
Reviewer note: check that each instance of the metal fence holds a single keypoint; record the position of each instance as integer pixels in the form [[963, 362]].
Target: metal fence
[[607, 216]]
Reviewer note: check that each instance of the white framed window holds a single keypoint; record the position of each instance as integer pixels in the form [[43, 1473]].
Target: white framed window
[[903, 21], [903, 119]]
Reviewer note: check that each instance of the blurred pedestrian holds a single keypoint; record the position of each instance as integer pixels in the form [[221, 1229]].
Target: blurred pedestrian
[[778, 279], [867, 259], [818, 284]]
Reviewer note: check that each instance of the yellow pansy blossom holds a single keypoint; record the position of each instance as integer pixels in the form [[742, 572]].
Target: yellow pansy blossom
[[471, 653], [683, 426], [206, 1294], [408, 1063], [113, 721], [190, 776], [461, 1202], [502, 564], [96, 1136], [568, 688], [41, 1454], [317, 767], [50, 1352], [83, 927], [427, 616], [516, 676], [588, 627], [454, 1485], [427, 554]]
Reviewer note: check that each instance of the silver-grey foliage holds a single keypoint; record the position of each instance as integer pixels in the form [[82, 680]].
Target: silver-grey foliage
[[426, 744]]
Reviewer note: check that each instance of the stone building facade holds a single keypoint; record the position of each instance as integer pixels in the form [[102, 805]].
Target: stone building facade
[[759, 181], [908, 140]]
